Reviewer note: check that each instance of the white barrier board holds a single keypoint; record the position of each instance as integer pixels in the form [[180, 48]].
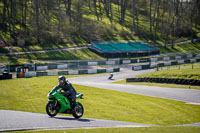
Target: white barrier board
[[137, 67], [110, 62], [189, 56], [153, 59], [178, 57], [153, 65], [126, 61], [109, 70], [166, 58], [167, 63], [42, 68], [90, 71], [52, 73], [92, 63], [180, 61], [193, 60], [73, 72], [62, 66], [30, 74]]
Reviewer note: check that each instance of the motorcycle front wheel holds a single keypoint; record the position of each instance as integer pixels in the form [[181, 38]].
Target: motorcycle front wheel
[[78, 111], [51, 109]]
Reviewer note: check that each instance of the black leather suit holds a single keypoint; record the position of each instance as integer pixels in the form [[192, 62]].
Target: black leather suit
[[69, 92]]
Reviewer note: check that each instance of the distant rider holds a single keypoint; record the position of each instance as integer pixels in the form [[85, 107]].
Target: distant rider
[[111, 76], [68, 89]]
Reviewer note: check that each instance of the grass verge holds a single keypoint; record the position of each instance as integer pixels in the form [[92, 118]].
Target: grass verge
[[174, 129], [30, 94]]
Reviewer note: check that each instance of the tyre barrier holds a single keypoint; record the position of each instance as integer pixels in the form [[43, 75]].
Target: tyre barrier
[[5, 76], [166, 80]]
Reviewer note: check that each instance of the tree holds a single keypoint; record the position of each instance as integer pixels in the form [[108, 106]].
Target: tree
[[123, 10], [68, 9], [108, 8], [95, 8], [37, 19], [150, 12], [135, 14]]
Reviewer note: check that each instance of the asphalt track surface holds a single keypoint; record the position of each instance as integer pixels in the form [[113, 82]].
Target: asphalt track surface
[[17, 120]]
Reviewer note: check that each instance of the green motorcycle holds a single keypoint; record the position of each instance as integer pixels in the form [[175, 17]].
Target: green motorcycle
[[58, 103]]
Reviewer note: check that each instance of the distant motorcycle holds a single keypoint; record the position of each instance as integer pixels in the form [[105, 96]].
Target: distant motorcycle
[[58, 103], [110, 77]]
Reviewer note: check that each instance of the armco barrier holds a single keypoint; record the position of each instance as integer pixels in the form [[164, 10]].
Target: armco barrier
[[52, 66], [134, 61], [126, 61], [193, 60], [91, 71], [153, 59], [180, 61], [116, 69], [136, 68], [82, 71], [63, 73], [174, 63], [109, 70], [70, 72], [145, 67], [161, 64], [110, 62], [153, 65], [101, 70], [187, 61], [40, 68], [101, 63], [63, 66], [148, 66], [7, 76], [73, 72], [172, 57], [143, 60], [83, 63], [30, 74], [166, 80], [41, 74], [76, 64], [92, 63], [52, 73], [167, 63]]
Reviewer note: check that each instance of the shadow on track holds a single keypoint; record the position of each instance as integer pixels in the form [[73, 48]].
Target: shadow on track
[[68, 118]]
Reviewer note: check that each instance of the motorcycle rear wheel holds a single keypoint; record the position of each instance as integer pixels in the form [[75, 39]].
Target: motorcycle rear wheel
[[78, 111], [51, 109]]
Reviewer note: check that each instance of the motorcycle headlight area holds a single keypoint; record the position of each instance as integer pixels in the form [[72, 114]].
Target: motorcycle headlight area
[[53, 93]]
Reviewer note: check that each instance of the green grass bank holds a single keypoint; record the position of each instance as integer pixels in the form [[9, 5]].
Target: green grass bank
[[166, 129]]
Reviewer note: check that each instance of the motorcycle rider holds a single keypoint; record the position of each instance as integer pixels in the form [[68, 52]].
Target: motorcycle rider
[[110, 77], [68, 89]]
